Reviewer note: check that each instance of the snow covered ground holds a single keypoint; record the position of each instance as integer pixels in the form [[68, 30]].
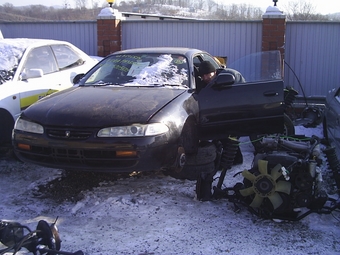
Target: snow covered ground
[[156, 214]]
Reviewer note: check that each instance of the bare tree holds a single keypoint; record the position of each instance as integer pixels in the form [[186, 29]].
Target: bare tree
[[237, 12], [66, 4], [200, 4], [297, 10], [300, 10], [80, 4]]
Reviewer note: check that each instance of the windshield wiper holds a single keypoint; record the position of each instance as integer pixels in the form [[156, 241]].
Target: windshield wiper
[[102, 84], [164, 84]]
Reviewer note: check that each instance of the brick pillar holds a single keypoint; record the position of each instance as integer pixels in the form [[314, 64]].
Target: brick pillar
[[109, 36], [273, 31]]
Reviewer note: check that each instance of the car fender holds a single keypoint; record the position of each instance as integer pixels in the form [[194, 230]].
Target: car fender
[[14, 96], [176, 113], [10, 98]]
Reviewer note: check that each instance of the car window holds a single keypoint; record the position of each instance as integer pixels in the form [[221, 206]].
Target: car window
[[204, 57], [41, 58], [207, 57], [259, 66], [141, 70], [66, 57]]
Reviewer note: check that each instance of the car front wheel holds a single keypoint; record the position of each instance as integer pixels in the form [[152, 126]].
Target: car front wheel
[[195, 164], [6, 127]]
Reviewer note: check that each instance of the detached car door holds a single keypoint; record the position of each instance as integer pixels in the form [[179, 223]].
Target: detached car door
[[250, 107]]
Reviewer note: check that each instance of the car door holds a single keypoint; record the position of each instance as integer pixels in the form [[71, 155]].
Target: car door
[[49, 69], [39, 76], [242, 109]]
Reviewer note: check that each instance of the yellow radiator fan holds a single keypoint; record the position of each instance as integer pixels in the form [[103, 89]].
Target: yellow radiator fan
[[266, 185]]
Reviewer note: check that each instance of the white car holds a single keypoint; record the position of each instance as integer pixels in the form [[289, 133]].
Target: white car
[[31, 69]]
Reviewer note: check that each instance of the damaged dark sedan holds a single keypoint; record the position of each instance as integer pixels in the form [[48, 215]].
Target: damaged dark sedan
[[140, 110]]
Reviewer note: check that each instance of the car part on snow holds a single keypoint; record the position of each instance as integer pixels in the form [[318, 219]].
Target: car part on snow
[[230, 148], [285, 181], [289, 130], [266, 185], [312, 116], [308, 116], [44, 240]]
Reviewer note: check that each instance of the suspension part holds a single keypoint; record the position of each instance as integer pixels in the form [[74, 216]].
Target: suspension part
[[230, 147], [289, 95], [314, 115]]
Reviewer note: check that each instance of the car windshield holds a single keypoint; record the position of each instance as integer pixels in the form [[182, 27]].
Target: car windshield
[[259, 66], [10, 55], [147, 69]]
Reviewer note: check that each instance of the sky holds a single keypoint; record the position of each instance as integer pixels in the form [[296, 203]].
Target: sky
[[322, 7]]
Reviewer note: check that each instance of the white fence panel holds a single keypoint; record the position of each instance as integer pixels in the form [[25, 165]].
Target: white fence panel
[[220, 38], [82, 34], [312, 51], [311, 48]]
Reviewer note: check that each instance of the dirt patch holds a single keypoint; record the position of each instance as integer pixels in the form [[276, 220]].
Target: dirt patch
[[71, 185]]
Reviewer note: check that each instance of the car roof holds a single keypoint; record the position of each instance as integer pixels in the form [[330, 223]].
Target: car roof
[[27, 42], [170, 50]]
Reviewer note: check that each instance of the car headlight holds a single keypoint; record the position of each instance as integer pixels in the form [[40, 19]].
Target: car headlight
[[134, 130], [28, 126]]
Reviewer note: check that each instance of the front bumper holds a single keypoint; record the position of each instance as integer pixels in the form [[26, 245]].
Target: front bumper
[[95, 154]]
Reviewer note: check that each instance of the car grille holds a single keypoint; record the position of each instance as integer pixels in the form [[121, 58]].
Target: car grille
[[78, 158], [71, 134]]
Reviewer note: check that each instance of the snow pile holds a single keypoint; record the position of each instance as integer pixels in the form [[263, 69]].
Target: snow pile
[[156, 214]]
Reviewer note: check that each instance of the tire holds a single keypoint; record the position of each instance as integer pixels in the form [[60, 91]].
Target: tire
[[195, 164], [7, 124], [206, 153], [289, 130], [189, 138]]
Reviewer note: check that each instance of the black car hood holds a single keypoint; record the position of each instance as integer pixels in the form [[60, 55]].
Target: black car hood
[[100, 106]]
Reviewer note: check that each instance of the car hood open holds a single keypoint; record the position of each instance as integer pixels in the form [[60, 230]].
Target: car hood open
[[100, 106]]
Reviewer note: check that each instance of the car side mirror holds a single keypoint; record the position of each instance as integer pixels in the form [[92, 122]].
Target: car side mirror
[[224, 79], [31, 73], [77, 78]]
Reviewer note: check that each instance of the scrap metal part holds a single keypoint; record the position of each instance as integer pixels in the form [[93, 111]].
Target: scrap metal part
[[285, 182]]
